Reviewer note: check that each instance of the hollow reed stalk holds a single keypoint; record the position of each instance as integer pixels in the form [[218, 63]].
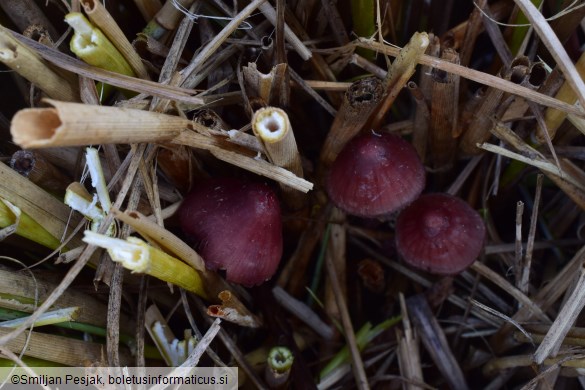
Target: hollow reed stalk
[[24, 226], [39, 205], [40, 171], [137, 256], [273, 88], [359, 102], [444, 114], [70, 124], [420, 125], [272, 126], [478, 130], [29, 65], [91, 45], [102, 19], [398, 75]]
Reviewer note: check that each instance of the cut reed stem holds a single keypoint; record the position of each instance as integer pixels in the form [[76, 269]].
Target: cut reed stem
[[272, 126], [137, 256], [29, 65], [102, 19], [70, 124], [91, 45], [359, 102]]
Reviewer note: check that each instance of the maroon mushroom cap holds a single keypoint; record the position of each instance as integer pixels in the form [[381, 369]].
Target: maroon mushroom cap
[[439, 233], [375, 174], [237, 227]]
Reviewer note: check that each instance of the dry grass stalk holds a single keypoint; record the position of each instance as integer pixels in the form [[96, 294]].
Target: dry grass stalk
[[29, 65], [71, 64], [477, 76], [273, 88], [102, 19], [359, 102], [71, 124], [435, 342], [524, 284], [492, 107], [47, 211], [408, 351], [495, 366], [83, 258], [358, 369], [545, 297], [555, 47], [336, 253], [399, 73], [17, 284], [537, 338], [232, 310], [420, 126], [270, 14], [260, 167], [554, 118], [218, 40], [59, 349], [565, 319], [37, 169], [303, 312], [272, 126], [518, 295], [444, 114], [172, 58]]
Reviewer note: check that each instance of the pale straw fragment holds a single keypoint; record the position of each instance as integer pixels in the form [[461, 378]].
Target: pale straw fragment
[[70, 124], [272, 126], [29, 65]]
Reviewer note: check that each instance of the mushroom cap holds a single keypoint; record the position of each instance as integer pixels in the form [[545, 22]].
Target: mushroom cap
[[439, 233], [375, 174], [237, 226]]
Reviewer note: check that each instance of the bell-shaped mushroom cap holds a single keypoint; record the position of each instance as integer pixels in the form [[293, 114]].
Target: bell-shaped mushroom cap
[[375, 174], [439, 233], [237, 226]]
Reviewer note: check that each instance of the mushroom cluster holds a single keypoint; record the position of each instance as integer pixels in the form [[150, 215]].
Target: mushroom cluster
[[378, 174]]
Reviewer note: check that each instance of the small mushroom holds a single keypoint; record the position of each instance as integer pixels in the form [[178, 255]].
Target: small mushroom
[[374, 175], [237, 226], [439, 233]]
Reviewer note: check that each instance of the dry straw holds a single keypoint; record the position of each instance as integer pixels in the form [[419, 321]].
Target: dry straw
[[70, 124], [272, 126], [29, 65]]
